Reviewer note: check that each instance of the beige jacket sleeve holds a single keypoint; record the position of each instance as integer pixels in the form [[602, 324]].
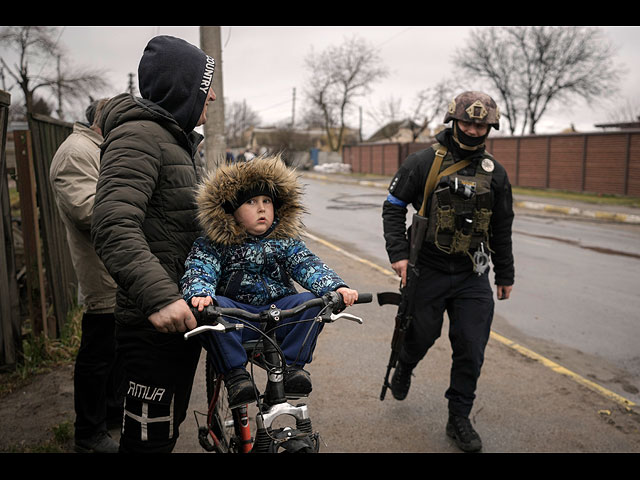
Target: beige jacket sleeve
[[74, 177]]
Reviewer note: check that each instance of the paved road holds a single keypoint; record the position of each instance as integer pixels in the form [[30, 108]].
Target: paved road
[[524, 404], [575, 298]]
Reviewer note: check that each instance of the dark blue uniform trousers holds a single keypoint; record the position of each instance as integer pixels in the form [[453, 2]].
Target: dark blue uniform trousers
[[468, 300], [297, 338]]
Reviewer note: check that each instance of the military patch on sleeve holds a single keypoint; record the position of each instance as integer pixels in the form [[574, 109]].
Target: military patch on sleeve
[[487, 165]]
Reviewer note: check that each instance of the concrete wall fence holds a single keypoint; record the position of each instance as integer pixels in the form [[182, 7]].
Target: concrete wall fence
[[601, 163]]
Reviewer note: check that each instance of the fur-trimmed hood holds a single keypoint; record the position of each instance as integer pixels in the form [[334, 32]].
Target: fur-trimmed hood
[[224, 185]]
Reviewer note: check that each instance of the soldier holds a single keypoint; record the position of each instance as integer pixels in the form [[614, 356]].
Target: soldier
[[467, 206]]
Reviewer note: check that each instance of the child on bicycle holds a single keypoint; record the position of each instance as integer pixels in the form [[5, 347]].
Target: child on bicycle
[[249, 257]]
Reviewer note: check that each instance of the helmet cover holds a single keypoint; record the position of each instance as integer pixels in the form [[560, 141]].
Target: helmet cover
[[474, 107]]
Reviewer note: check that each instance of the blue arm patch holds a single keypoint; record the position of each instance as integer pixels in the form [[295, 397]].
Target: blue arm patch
[[396, 201]]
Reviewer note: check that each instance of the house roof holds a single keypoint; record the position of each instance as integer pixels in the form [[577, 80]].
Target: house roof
[[391, 128]]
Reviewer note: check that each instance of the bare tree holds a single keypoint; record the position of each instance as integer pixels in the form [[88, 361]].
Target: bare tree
[[533, 67], [388, 112], [238, 117], [628, 110], [431, 104], [41, 64], [339, 75], [428, 107], [311, 118]]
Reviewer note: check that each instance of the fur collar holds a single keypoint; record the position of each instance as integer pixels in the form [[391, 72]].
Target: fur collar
[[224, 183]]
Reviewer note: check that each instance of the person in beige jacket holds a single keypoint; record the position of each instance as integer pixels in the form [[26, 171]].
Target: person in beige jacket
[[73, 175]]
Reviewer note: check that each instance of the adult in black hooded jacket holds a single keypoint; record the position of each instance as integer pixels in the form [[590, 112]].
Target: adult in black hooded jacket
[[144, 223]]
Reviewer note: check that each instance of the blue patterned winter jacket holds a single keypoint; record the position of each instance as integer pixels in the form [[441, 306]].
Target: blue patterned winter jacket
[[256, 272]]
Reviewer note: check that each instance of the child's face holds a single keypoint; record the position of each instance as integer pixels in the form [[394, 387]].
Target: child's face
[[255, 215]]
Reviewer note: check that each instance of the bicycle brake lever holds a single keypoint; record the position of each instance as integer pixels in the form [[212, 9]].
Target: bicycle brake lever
[[218, 327], [346, 316]]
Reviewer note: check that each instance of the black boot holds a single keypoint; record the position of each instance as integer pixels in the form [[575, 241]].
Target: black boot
[[101, 442], [240, 388], [401, 381], [460, 429], [297, 382]]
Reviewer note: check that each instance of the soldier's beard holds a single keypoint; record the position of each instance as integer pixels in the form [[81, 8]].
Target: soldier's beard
[[467, 142]]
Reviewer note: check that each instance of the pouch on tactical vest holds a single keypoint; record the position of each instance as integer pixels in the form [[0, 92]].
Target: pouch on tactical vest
[[460, 210]]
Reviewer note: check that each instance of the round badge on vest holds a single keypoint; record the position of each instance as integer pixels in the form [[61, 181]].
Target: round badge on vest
[[487, 165]]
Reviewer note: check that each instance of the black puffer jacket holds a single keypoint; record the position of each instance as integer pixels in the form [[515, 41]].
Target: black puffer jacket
[[144, 219], [408, 187]]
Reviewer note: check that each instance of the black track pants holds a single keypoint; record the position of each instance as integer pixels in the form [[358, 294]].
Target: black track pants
[[97, 376], [468, 300], [159, 372]]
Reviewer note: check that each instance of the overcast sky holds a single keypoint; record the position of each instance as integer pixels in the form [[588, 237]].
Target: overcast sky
[[263, 65]]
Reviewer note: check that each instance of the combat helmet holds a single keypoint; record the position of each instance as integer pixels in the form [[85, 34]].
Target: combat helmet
[[475, 107]]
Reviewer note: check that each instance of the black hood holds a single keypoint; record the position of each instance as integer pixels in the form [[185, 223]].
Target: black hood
[[176, 76], [125, 108]]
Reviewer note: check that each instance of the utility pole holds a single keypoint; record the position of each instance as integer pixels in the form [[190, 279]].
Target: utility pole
[[214, 141], [293, 109], [59, 85], [131, 87]]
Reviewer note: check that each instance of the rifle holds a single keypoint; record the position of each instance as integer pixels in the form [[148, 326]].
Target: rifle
[[405, 299]]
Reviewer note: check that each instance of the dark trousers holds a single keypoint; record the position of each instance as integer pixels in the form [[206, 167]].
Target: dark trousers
[[97, 376], [297, 339], [159, 371], [468, 300]]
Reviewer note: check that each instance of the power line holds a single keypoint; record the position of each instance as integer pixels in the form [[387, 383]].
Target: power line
[[393, 37]]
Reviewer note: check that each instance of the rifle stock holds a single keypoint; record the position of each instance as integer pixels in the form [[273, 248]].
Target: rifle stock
[[405, 298]]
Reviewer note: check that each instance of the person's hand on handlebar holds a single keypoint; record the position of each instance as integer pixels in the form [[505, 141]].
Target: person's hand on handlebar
[[175, 317], [349, 296], [201, 302]]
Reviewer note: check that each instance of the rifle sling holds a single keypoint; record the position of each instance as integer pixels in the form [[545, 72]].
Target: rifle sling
[[434, 177]]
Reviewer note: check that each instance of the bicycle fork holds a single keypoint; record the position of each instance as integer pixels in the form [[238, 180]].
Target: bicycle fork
[[265, 438], [276, 400]]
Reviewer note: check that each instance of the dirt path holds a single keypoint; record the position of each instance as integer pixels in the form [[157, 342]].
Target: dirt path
[[29, 415]]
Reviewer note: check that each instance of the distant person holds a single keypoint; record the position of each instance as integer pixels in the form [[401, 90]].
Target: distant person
[[73, 175], [229, 158], [470, 216], [249, 258], [246, 156], [144, 224]]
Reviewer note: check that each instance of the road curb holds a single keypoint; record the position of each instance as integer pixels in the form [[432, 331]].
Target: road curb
[[594, 214]]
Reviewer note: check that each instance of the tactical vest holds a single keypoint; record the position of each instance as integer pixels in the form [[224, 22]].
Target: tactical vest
[[460, 209]]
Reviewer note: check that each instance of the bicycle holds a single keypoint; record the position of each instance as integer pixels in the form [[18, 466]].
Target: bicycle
[[229, 430]]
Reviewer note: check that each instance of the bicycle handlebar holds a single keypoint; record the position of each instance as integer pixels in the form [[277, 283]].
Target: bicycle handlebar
[[211, 317]]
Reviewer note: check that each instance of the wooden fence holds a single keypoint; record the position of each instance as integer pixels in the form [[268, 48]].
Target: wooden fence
[[49, 289], [46, 136], [601, 163], [10, 346]]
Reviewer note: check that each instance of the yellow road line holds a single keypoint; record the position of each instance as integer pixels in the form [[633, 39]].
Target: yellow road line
[[505, 341], [563, 371], [385, 271]]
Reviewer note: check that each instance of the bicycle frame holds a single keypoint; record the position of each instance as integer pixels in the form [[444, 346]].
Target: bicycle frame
[[273, 404]]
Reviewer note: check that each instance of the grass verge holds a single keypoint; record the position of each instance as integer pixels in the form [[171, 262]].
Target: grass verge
[[40, 354]]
